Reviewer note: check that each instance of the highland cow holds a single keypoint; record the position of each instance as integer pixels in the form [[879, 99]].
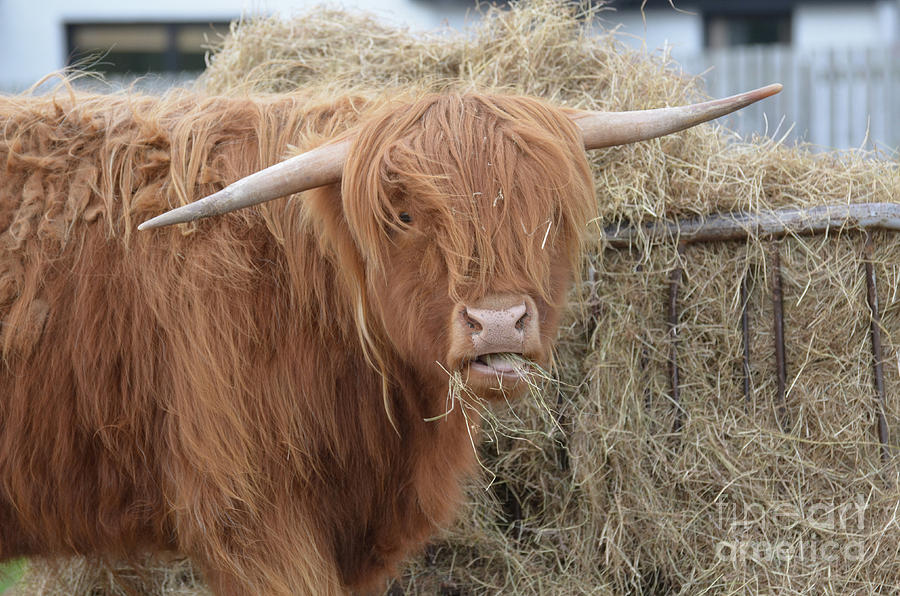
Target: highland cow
[[266, 391]]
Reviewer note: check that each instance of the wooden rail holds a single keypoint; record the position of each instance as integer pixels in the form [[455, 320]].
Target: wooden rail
[[766, 223]]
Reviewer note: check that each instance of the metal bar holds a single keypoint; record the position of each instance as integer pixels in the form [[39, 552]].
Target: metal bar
[[645, 364], [644, 359], [745, 333], [562, 443], [674, 376], [877, 352], [770, 223], [778, 316]]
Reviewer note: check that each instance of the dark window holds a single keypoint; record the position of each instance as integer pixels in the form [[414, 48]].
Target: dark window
[[140, 48], [725, 30]]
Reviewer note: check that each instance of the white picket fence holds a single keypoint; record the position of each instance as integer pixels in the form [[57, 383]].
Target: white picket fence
[[834, 98]]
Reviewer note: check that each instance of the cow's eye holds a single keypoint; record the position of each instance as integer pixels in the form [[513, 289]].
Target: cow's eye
[[405, 217]]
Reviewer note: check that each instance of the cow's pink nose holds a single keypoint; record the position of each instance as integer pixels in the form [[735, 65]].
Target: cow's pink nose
[[500, 324]]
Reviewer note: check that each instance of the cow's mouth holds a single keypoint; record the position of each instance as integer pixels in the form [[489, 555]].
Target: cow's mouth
[[501, 365]]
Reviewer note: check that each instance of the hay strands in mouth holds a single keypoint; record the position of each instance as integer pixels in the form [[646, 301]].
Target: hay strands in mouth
[[771, 223], [502, 364]]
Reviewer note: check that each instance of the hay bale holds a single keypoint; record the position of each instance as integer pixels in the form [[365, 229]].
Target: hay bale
[[601, 495]]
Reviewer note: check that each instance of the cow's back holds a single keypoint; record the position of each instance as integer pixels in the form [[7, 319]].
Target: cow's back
[[95, 316]]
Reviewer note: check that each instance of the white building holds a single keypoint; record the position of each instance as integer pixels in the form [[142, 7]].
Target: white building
[[836, 58], [697, 25], [838, 61], [41, 36]]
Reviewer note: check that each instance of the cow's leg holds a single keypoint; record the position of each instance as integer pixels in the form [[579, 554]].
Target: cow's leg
[[12, 537], [224, 584], [283, 558], [296, 581]]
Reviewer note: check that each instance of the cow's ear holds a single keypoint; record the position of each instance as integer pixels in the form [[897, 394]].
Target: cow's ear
[[324, 210]]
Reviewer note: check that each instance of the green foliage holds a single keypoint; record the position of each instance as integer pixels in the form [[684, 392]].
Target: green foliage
[[10, 573]]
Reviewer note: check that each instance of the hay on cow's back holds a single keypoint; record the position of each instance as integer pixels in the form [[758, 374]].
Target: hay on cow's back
[[616, 501]]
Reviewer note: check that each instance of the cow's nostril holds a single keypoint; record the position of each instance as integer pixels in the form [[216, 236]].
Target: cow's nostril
[[471, 322], [520, 324]]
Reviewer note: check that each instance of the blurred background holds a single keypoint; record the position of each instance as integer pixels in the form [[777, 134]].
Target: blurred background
[[836, 58]]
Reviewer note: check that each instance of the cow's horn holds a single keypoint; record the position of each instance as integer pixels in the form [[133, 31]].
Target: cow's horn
[[317, 167], [325, 164], [605, 129]]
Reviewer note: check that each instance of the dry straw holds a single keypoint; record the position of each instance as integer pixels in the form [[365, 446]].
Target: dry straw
[[600, 493]]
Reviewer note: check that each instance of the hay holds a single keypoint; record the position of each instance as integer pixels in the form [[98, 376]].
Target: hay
[[159, 575], [601, 495]]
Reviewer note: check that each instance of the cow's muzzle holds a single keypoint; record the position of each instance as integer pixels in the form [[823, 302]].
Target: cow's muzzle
[[497, 335]]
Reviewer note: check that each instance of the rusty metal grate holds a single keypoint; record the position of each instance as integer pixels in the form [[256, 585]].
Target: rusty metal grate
[[771, 224]]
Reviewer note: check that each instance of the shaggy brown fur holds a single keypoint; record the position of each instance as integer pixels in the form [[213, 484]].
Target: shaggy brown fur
[[253, 390]]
